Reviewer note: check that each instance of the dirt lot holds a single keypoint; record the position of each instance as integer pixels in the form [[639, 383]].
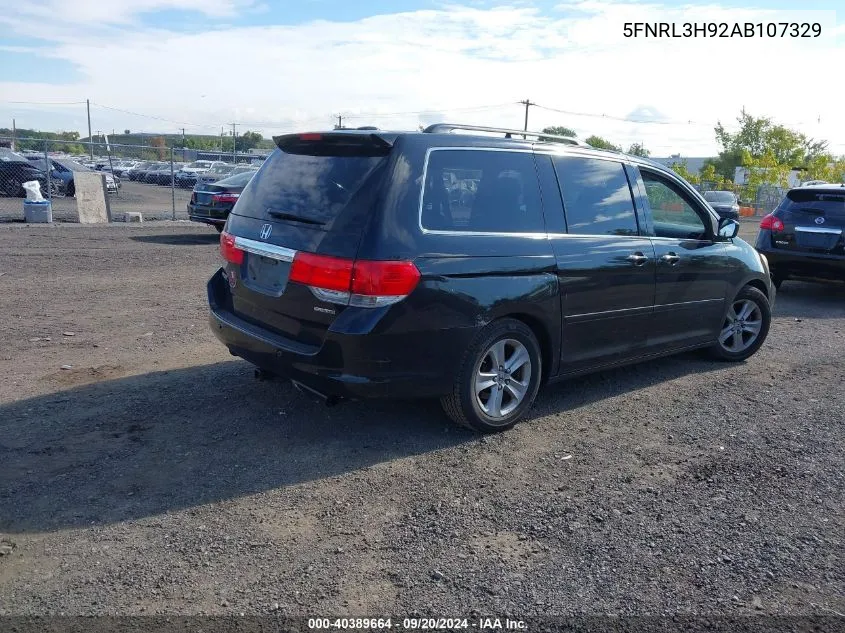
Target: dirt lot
[[155, 475]]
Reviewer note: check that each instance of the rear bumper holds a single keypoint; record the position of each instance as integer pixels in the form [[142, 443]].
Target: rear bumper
[[799, 264], [417, 364], [207, 215], [204, 220]]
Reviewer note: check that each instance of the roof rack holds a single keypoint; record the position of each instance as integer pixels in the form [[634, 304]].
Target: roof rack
[[450, 127]]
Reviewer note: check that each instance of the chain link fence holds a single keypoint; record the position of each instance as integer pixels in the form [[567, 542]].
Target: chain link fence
[[153, 180], [762, 198]]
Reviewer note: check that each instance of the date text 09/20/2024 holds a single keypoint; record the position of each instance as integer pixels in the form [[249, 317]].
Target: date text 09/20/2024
[[722, 29], [417, 624]]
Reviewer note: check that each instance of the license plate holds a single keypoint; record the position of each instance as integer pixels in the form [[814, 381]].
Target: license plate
[[266, 274], [818, 241]]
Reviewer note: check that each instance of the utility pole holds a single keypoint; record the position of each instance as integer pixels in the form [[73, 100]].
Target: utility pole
[[220, 153], [14, 131], [90, 138], [98, 136], [526, 103], [234, 142], [339, 122]]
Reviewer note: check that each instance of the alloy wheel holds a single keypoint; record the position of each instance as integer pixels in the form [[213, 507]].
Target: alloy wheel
[[742, 326], [502, 378]]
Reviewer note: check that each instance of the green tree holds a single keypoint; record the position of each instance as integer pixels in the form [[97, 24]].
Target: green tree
[[637, 149], [558, 130], [599, 143], [765, 170], [680, 168], [248, 140], [759, 136]]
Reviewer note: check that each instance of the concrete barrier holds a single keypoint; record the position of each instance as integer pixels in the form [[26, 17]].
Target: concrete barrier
[[92, 198]]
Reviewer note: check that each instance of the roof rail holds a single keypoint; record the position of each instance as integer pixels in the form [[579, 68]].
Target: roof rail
[[438, 128]]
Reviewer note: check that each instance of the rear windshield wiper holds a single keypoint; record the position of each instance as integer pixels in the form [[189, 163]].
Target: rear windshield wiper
[[281, 215]]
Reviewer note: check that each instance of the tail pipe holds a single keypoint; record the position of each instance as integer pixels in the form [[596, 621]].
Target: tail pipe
[[329, 400]]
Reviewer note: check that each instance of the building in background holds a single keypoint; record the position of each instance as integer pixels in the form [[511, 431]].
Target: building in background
[[694, 163]]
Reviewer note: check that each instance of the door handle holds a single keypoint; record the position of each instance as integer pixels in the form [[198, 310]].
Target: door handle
[[671, 258], [638, 259]]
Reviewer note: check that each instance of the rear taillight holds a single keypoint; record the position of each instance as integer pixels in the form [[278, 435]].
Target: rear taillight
[[772, 223], [357, 283], [224, 198], [229, 251], [320, 271]]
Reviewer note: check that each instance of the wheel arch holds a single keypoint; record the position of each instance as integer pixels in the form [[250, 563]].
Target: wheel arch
[[759, 284], [544, 339]]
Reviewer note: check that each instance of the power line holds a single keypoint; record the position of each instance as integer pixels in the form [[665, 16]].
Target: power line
[[617, 118], [361, 115], [157, 118], [44, 102]]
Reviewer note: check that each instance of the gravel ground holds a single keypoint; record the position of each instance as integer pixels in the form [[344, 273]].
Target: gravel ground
[[155, 475]]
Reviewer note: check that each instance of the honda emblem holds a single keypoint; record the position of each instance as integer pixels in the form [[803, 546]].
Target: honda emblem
[[265, 231], [820, 220]]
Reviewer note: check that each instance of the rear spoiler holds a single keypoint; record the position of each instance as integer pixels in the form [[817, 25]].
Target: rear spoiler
[[337, 143]]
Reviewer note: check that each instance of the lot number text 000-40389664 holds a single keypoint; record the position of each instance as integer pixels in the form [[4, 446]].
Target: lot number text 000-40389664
[[721, 29]]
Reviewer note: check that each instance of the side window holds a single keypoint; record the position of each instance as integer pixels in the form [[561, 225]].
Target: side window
[[596, 196], [482, 191], [673, 213]]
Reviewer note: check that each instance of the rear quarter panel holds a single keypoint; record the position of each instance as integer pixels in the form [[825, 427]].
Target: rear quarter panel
[[467, 280]]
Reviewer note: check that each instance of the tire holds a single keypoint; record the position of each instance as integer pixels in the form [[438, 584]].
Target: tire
[[738, 345], [507, 340], [71, 189]]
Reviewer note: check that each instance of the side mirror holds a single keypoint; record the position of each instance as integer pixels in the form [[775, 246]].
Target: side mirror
[[728, 228]]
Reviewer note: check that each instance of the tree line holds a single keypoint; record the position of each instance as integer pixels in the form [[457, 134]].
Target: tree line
[[767, 151], [72, 143]]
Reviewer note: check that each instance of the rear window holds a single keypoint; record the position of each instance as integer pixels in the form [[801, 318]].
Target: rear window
[[482, 191], [719, 196], [829, 203], [238, 180], [305, 187]]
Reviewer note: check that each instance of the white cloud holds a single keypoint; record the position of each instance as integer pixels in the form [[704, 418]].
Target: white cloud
[[574, 59]]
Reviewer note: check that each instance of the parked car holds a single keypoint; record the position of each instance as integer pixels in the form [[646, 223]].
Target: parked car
[[218, 172], [349, 270], [211, 203], [62, 171], [121, 168], [165, 175], [803, 237], [155, 173], [724, 203], [139, 170], [243, 169], [16, 170], [187, 176]]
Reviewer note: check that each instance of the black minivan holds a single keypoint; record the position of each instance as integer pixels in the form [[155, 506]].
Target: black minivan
[[474, 268]]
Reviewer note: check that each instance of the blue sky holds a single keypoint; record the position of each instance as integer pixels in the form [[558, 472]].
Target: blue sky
[[278, 66]]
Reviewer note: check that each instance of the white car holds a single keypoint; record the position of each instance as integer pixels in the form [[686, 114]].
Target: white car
[[187, 175]]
